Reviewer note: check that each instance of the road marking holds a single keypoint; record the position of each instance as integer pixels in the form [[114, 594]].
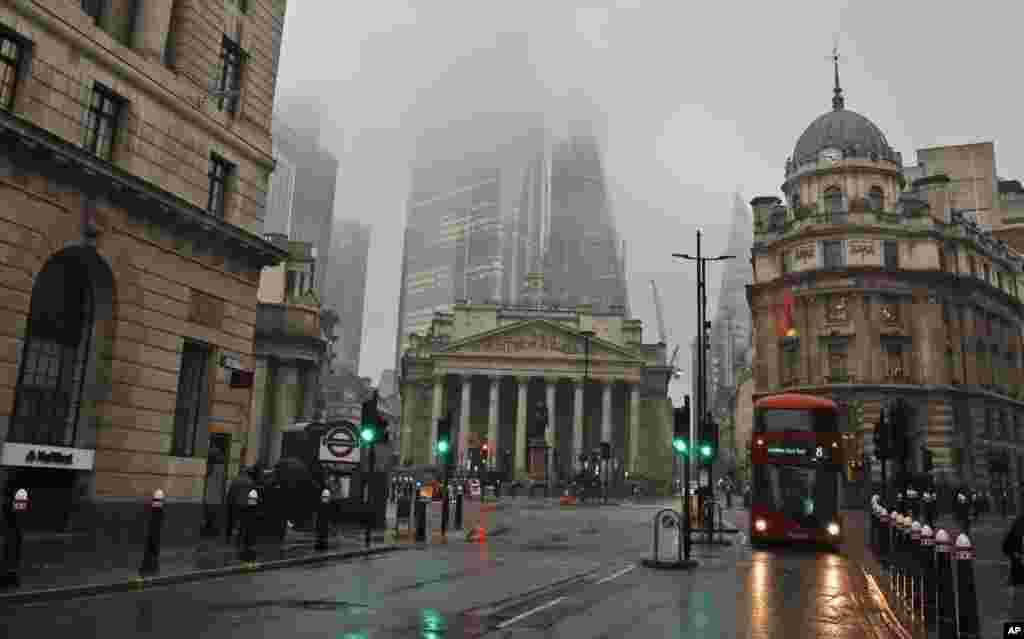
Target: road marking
[[614, 575], [526, 614]]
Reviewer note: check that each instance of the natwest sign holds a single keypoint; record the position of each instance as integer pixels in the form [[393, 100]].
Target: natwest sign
[[37, 456]]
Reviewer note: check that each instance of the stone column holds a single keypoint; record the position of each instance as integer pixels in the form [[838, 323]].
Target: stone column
[[633, 437], [519, 453], [435, 414], [467, 406], [606, 412], [492, 422], [287, 405], [577, 423], [550, 434]]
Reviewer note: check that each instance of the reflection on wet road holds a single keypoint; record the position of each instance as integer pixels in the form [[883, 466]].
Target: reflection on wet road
[[555, 574]]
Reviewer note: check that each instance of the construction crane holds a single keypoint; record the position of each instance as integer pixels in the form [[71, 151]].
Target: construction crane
[[672, 362], [661, 314]]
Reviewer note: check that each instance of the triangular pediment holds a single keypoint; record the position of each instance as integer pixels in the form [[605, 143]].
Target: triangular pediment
[[538, 336]]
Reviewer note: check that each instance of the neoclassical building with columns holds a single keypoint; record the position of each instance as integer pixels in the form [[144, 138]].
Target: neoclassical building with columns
[[492, 367]]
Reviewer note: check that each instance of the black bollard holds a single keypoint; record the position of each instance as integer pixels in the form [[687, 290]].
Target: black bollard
[[966, 594], [883, 536], [252, 505], [914, 560], [458, 510], [421, 519], [444, 514], [323, 520], [927, 561], [12, 547], [151, 556], [897, 556], [945, 604]]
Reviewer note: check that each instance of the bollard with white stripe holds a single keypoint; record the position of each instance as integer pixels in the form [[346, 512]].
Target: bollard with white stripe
[[914, 563], [151, 556], [966, 594], [945, 608], [927, 561]]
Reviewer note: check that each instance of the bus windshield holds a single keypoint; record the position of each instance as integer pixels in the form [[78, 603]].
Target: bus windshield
[[779, 420], [807, 495]]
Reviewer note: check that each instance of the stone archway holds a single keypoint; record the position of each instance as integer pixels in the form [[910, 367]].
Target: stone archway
[[63, 370]]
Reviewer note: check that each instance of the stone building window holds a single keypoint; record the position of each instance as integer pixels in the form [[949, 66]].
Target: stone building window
[[192, 382], [790, 361], [876, 199], [837, 308], [834, 256], [12, 51], [230, 83], [93, 9], [220, 172], [102, 119], [835, 207], [838, 356], [50, 383], [895, 364], [891, 254]]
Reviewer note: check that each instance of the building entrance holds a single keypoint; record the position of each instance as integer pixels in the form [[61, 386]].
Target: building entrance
[[51, 497]]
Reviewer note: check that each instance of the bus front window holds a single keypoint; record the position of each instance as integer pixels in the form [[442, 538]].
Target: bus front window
[[806, 495]]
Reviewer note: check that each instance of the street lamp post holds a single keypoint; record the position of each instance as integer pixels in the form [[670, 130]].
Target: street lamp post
[[702, 346], [587, 336]]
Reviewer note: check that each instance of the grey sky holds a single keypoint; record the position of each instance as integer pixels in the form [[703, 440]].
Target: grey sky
[[694, 103]]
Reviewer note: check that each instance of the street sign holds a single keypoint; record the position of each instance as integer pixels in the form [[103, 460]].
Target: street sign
[[340, 444]]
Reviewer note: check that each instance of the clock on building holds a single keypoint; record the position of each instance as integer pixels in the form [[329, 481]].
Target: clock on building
[[831, 155]]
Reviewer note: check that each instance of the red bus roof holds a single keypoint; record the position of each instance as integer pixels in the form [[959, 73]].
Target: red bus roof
[[796, 400]]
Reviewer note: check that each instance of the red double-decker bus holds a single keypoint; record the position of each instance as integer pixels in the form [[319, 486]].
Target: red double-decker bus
[[797, 465]]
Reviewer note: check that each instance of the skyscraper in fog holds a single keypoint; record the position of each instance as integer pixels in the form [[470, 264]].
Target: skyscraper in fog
[[496, 198], [345, 290]]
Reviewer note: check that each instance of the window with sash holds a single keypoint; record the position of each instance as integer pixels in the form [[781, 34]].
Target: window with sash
[[192, 381], [838, 354], [230, 84], [12, 52], [102, 119]]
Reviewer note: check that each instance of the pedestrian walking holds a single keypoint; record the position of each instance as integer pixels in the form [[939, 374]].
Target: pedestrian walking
[[236, 502], [1013, 548]]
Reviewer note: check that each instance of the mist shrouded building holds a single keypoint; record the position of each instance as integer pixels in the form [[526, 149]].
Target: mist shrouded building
[[345, 290], [484, 213]]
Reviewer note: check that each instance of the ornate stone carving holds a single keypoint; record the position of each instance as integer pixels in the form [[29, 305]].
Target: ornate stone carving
[[837, 309]]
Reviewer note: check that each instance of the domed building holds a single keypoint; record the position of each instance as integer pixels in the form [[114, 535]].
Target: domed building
[[868, 288]]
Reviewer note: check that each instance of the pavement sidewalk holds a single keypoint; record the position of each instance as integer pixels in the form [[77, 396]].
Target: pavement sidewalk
[[67, 566], [997, 601]]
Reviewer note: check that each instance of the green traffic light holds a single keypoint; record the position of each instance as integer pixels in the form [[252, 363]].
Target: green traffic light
[[442, 447], [367, 435], [679, 445], [705, 450]]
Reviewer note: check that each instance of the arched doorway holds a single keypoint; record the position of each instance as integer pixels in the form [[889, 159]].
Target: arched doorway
[[43, 451]]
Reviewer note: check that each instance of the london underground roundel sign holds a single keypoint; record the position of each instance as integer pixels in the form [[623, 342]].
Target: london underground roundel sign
[[340, 444]]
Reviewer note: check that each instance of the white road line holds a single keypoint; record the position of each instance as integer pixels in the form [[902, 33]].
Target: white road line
[[526, 614], [613, 576]]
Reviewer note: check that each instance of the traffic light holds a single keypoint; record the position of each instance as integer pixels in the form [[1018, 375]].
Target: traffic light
[[483, 452], [444, 442], [383, 432], [368, 422], [681, 427], [708, 440]]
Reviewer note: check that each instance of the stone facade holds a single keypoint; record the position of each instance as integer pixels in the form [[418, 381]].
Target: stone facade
[[867, 288], [120, 260], [490, 367], [290, 352]]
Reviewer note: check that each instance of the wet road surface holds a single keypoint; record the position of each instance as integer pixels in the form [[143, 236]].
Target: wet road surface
[[554, 573]]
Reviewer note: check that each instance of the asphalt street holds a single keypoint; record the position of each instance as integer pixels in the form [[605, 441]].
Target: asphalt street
[[552, 573]]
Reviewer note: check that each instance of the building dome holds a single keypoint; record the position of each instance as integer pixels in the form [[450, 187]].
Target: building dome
[[848, 131]]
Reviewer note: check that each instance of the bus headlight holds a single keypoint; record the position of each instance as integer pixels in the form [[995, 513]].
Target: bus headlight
[[833, 529], [760, 525]]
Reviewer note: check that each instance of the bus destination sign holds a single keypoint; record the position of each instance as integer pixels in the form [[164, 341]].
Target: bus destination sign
[[789, 451]]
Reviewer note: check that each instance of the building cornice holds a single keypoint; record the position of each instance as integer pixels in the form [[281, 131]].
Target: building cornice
[[30, 145]]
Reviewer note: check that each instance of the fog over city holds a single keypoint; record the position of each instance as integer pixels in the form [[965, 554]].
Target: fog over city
[[690, 107]]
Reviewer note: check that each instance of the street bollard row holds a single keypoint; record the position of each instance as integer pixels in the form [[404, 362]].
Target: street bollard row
[[931, 578]]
